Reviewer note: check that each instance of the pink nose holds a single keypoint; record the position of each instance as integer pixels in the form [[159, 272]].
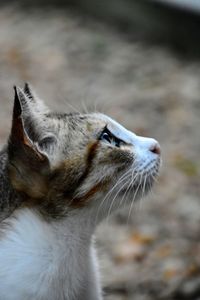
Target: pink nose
[[155, 148]]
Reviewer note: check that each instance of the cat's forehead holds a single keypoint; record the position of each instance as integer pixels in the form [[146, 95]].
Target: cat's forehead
[[94, 122]]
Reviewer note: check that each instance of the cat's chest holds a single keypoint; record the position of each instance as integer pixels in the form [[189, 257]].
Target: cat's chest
[[37, 262]]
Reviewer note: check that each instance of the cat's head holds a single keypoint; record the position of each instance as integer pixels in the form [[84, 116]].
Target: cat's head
[[60, 162]]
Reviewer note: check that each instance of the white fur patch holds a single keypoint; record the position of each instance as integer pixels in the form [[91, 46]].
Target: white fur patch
[[43, 261]]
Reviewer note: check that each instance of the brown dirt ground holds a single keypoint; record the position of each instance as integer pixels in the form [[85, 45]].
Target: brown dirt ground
[[73, 62]]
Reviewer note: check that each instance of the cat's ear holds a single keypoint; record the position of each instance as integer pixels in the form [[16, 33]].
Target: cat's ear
[[35, 102], [23, 117], [29, 92], [33, 115], [28, 163]]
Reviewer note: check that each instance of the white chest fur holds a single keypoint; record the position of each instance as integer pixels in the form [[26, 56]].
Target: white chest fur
[[45, 261]]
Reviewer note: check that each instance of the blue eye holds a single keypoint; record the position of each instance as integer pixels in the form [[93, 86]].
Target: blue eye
[[105, 136], [108, 137]]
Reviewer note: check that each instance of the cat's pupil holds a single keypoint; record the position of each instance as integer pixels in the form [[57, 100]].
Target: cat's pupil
[[107, 137], [117, 143]]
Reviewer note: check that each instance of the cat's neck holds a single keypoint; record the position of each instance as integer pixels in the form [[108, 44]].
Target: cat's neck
[[79, 222], [60, 251], [78, 225]]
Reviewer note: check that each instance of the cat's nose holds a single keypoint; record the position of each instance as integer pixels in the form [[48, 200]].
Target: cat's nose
[[147, 144], [155, 148]]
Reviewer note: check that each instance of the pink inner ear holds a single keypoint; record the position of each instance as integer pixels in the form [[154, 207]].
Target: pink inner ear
[[18, 133]]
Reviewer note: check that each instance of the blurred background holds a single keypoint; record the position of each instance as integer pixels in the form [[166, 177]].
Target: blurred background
[[137, 61]]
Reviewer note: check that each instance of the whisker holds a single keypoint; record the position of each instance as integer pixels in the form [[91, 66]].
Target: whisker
[[84, 107], [120, 180], [143, 190], [134, 196], [117, 193], [144, 181], [75, 109], [133, 179]]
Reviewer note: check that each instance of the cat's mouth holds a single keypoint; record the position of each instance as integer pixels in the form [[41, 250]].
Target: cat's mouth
[[138, 182]]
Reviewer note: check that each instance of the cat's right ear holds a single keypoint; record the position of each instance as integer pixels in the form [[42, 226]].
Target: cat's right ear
[[27, 163], [18, 134]]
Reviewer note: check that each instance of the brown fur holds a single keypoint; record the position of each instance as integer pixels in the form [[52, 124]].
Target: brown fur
[[57, 162]]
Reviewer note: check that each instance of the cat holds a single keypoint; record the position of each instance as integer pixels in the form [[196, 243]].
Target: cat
[[60, 175]]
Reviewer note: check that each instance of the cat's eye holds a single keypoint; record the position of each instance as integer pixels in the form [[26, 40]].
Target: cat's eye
[[107, 137]]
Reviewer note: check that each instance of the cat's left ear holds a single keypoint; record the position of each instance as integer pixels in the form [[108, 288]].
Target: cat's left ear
[[35, 102], [29, 92]]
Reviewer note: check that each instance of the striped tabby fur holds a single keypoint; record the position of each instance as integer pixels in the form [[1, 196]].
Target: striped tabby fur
[[60, 175]]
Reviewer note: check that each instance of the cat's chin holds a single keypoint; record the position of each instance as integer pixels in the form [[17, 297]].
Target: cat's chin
[[135, 193], [135, 190]]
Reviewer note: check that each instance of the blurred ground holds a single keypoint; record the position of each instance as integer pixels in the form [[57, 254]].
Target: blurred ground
[[74, 63]]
